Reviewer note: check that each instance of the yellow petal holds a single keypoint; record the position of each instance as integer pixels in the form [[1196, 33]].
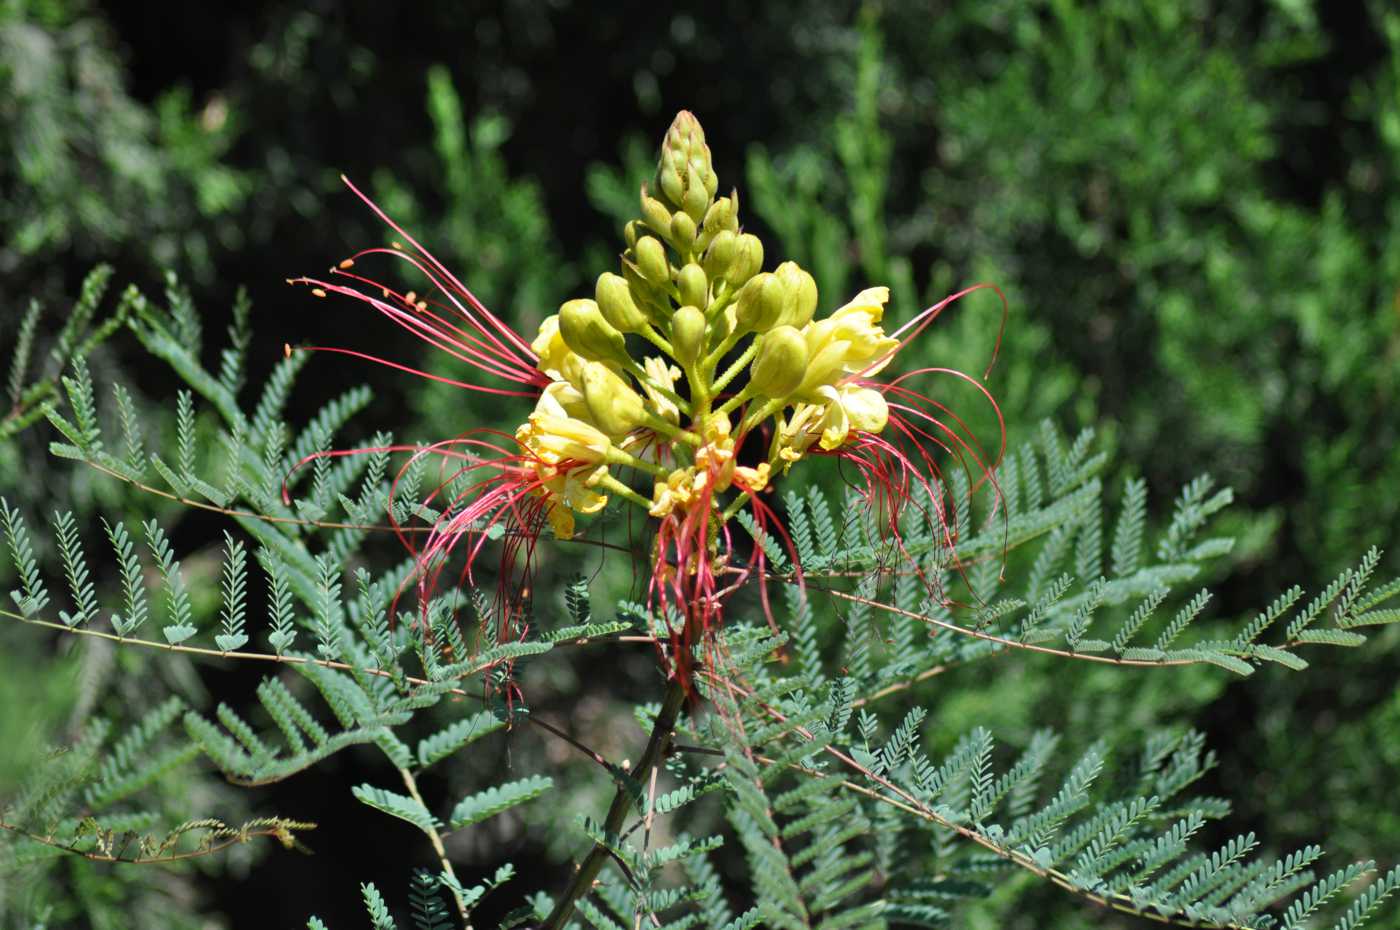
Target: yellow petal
[[866, 409]]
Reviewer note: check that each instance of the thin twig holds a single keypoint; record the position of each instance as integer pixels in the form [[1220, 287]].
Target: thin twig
[[281, 833], [1006, 641], [912, 805], [436, 839], [298, 521], [592, 863], [327, 663]]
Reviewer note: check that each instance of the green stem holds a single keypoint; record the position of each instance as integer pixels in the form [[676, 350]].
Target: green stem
[[759, 414], [723, 348], [734, 507], [436, 839], [699, 392], [650, 334], [723, 298], [617, 456], [667, 428], [623, 491], [736, 400], [733, 371], [592, 864]]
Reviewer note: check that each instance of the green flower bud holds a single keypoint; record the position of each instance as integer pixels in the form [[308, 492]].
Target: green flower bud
[[616, 304], [696, 199], [781, 363], [685, 145], [688, 333], [585, 331], [649, 298], [720, 253], [748, 259], [669, 180], [747, 309], [718, 216], [651, 260], [654, 213], [616, 408], [693, 285], [708, 178], [801, 296], [682, 232], [772, 303], [674, 157]]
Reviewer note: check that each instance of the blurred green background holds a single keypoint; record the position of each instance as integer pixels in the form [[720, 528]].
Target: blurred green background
[[1192, 207]]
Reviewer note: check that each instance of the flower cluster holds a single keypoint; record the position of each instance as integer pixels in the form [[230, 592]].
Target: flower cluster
[[686, 383], [694, 298]]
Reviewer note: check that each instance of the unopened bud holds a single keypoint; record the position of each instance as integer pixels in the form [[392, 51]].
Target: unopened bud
[[585, 331], [614, 406], [801, 294], [747, 310], [693, 285], [651, 260], [720, 253], [616, 303], [709, 178], [688, 333], [772, 302], [717, 217], [748, 259], [669, 180], [682, 232], [654, 213], [697, 198], [650, 298], [629, 233], [781, 363]]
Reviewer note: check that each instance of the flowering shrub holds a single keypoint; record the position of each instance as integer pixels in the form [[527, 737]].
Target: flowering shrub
[[678, 396]]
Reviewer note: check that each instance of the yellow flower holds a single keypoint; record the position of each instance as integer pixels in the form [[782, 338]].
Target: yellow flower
[[857, 324], [753, 479], [554, 441], [675, 491], [840, 410], [556, 358], [847, 408], [661, 374], [570, 491], [794, 437], [561, 399]]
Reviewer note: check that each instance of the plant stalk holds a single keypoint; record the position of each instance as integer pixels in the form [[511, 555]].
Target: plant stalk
[[655, 751], [435, 838]]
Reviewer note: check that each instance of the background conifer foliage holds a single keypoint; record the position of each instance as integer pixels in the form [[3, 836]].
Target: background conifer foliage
[[1129, 682]]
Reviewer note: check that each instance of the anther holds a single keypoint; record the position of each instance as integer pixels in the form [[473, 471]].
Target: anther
[[318, 292], [347, 263]]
